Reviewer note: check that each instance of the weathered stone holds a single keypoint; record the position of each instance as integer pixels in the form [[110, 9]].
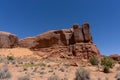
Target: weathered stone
[[78, 35], [86, 32], [86, 50], [27, 42], [8, 40], [115, 57], [48, 39], [75, 41]]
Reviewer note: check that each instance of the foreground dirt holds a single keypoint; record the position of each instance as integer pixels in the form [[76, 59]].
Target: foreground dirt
[[26, 63]]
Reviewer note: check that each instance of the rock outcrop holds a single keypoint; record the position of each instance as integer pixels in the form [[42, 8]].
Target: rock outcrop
[[27, 42], [86, 32], [76, 41], [78, 34], [8, 40], [115, 57], [47, 39]]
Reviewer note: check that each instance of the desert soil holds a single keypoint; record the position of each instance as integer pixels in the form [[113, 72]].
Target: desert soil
[[27, 64]]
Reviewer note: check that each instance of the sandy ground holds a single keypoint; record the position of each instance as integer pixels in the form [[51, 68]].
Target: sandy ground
[[17, 52], [27, 64]]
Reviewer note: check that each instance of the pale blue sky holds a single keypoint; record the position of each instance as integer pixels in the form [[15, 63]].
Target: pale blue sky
[[31, 17]]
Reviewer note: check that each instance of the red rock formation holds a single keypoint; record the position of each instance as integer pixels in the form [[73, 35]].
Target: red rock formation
[[78, 34], [27, 42], [115, 57], [76, 42], [8, 40], [86, 32], [86, 50]]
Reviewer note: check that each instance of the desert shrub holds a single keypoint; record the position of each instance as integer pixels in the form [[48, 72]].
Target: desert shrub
[[54, 77], [42, 64], [82, 74], [117, 76], [4, 73], [106, 69], [26, 77], [107, 63], [94, 60], [10, 58]]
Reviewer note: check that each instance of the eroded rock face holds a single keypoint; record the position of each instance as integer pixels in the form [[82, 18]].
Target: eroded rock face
[[48, 39], [27, 42], [86, 50], [76, 41], [41, 41], [8, 40], [78, 34], [86, 32]]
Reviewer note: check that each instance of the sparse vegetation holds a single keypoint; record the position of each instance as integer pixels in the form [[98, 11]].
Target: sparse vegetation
[[106, 69], [53, 77], [26, 77], [4, 73], [107, 63], [82, 74], [10, 57], [94, 60], [34, 65]]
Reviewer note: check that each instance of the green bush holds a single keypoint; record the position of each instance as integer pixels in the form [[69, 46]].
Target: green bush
[[10, 58], [106, 69], [107, 63], [94, 60]]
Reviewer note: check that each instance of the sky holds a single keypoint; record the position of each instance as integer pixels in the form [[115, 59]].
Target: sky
[[32, 17]]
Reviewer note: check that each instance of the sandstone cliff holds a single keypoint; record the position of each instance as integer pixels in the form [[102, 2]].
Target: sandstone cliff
[[76, 41]]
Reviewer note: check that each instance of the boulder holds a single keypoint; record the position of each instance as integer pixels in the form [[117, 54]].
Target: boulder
[[8, 40], [86, 32]]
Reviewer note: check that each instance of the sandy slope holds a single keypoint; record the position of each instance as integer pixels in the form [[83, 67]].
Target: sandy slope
[[17, 52]]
